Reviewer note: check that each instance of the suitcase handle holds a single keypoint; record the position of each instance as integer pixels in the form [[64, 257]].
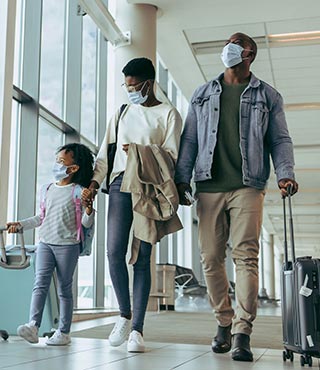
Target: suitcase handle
[[286, 259], [19, 263]]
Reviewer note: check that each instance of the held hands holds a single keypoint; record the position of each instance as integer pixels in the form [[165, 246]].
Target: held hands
[[182, 189], [285, 183], [87, 198], [13, 227]]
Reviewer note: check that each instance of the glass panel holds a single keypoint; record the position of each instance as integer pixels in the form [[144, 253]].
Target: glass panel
[[174, 93], [110, 300], [49, 140], [163, 78], [11, 214], [89, 75], [52, 56], [85, 282], [17, 45]]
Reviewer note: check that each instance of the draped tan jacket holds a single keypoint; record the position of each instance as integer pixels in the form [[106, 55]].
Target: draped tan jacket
[[149, 177]]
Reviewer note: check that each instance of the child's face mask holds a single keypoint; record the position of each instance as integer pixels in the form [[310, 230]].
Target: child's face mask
[[59, 171]]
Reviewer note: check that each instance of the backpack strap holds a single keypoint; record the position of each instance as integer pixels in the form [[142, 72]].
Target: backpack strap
[[122, 108], [43, 194], [76, 196]]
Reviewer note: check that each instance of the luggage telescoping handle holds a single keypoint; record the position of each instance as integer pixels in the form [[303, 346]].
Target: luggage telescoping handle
[[2, 246], [24, 260], [289, 190]]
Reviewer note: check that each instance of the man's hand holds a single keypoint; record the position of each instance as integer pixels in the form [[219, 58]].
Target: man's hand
[[182, 188], [13, 227], [283, 186], [125, 148]]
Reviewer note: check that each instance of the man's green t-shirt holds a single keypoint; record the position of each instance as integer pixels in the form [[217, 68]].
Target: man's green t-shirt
[[226, 167]]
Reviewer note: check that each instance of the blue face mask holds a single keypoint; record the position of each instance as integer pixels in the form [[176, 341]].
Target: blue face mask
[[59, 171], [136, 97]]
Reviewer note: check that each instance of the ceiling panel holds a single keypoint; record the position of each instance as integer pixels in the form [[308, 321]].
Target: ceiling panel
[[293, 25]]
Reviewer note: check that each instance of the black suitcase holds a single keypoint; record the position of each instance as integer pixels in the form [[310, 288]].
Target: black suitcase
[[300, 301]]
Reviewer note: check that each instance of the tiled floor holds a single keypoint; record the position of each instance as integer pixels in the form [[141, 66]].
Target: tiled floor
[[97, 354], [85, 354]]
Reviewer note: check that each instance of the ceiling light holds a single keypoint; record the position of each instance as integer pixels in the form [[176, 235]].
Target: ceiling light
[[276, 40], [105, 22], [295, 38]]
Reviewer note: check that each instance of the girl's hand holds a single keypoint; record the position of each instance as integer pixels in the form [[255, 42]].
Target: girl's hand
[[13, 227]]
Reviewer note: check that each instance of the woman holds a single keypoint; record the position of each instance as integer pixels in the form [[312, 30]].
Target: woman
[[145, 121]]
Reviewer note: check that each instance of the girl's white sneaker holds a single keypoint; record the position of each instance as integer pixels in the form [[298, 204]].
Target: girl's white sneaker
[[58, 339], [29, 332], [135, 342]]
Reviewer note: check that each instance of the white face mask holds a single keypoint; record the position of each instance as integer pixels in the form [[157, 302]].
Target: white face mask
[[231, 55], [136, 97]]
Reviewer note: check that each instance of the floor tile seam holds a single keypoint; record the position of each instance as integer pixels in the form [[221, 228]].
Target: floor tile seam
[[185, 362]]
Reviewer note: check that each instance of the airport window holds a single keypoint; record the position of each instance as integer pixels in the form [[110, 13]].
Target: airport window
[[52, 56], [89, 77], [13, 168], [49, 139], [86, 289], [17, 45]]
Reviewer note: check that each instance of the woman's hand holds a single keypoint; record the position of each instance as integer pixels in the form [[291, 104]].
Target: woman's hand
[[13, 227], [87, 197]]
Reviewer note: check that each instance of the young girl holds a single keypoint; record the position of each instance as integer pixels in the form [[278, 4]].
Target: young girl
[[59, 246]]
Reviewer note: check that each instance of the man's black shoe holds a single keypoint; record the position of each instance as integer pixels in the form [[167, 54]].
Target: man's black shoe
[[221, 343], [241, 348]]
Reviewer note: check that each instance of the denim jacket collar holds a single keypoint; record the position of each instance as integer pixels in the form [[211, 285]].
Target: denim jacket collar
[[254, 81]]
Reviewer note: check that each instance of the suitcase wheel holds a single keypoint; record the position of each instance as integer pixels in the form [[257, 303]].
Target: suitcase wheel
[[4, 335], [305, 360], [287, 355], [48, 334]]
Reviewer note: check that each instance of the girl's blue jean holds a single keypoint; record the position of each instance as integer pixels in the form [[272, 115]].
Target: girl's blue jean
[[120, 218], [64, 259]]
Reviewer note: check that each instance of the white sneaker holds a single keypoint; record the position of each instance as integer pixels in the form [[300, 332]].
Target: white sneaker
[[58, 339], [135, 342], [120, 332], [29, 332]]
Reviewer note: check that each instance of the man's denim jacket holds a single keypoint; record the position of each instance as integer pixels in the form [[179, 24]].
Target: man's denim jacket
[[263, 131]]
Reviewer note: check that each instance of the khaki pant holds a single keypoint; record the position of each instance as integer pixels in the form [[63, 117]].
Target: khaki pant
[[238, 215]]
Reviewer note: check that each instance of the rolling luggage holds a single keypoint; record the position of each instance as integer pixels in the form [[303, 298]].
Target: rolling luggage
[[17, 267], [300, 301]]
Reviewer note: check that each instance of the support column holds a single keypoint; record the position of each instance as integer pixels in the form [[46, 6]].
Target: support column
[[7, 37], [140, 20], [269, 261], [278, 261], [266, 268]]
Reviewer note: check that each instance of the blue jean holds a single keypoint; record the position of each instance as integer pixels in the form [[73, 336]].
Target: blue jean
[[120, 216], [64, 259]]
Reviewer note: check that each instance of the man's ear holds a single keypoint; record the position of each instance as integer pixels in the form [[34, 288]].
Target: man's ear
[[252, 55]]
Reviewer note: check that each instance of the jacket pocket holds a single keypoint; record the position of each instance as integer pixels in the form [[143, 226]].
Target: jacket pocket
[[260, 113]]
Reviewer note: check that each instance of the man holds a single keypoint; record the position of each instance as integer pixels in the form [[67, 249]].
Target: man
[[234, 123]]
